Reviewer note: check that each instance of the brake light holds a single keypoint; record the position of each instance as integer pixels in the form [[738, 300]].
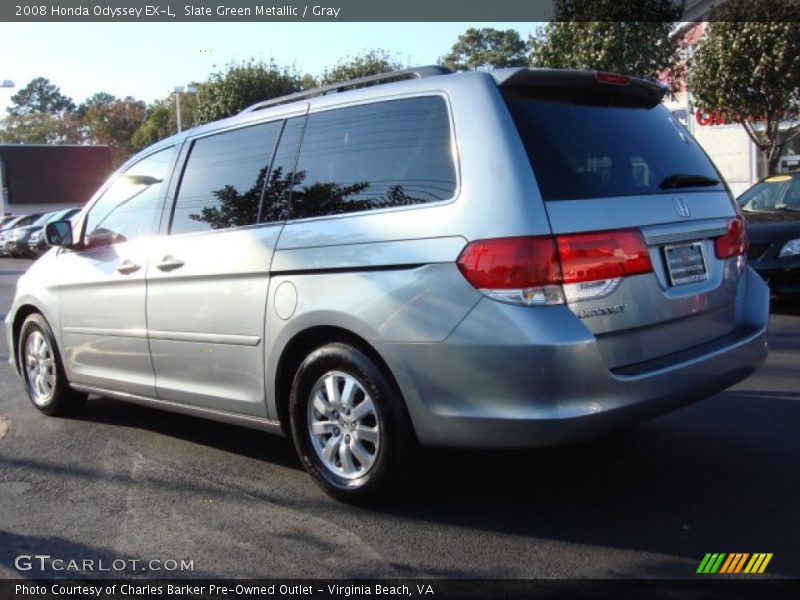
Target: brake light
[[507, 263], [603, 255], [612, 78], [531, 270], [734, 242]]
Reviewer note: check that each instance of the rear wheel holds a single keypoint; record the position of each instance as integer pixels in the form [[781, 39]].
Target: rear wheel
[[45, 380], [349, 425]]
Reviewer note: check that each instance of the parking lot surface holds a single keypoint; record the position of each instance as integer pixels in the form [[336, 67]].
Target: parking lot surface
[[126, 482]]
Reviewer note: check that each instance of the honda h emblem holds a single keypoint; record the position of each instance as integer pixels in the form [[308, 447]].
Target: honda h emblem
[[682, 206]]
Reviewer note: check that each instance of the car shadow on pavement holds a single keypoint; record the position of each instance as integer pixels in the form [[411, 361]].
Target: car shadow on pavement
[[243, 441], [717, 476], [708, 478]]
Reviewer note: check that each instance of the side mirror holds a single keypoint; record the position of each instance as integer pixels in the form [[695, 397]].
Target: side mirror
[[58, 233]]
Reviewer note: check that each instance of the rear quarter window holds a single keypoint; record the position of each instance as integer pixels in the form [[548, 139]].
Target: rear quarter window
[[373, 156]]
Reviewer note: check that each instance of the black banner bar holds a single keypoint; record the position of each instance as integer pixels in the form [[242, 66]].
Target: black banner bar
[[435, 589]]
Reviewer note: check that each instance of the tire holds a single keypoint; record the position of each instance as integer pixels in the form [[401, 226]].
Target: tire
[[42, 370], [357, 446]]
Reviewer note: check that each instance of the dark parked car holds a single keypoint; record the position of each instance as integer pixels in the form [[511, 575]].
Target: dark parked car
[[10, 226], [35, 244], [772, 212], [17, 238]]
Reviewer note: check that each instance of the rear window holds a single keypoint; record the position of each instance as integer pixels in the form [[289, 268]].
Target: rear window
[[589, 145]]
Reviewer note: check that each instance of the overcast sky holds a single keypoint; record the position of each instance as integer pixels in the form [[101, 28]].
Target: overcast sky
[[148, 60]]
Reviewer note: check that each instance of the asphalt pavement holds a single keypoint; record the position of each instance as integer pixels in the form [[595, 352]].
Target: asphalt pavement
[[127, 483]]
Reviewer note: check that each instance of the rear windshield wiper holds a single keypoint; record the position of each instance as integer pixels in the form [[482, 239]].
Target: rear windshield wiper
[[681, 180]]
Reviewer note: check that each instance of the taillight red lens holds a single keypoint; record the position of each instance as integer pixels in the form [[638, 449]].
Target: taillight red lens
[[526, 262], [510, 263], [733, 243], [612, 78], [602, 255]]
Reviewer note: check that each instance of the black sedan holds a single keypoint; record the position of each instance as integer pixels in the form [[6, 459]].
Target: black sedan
[[772, 211]]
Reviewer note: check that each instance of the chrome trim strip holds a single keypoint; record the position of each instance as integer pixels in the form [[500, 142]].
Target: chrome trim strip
[[175, 336], [684, 236], [260, 423], [205, 338], [131, 333], [690, 231]]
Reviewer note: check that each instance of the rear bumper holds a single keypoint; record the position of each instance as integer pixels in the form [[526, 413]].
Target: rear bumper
[[523, 377]]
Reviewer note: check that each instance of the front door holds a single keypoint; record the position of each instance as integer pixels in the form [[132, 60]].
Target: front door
[[103, 291]]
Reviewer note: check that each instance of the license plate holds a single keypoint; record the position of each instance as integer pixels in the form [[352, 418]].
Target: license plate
[[685, 263]]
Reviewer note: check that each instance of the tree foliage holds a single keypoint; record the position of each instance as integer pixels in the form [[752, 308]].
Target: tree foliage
[[41, 128], [608, 35], [240, 85], [747, 67], [373, 62], [486, 48], [110, 121], [39, 96], [157, 126]]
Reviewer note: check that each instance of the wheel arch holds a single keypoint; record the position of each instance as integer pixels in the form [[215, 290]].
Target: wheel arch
[[22, 313], [305, 342]]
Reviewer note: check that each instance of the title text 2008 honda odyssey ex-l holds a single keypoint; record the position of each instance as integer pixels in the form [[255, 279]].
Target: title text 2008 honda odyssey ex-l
[[490, 259]]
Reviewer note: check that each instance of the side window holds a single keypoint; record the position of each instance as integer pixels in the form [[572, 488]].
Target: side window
[[380, 155], [223, 179], [131, 206]]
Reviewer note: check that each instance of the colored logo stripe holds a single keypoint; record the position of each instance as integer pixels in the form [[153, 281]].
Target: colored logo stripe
[[711, 563], [733, 563], [758, 563]]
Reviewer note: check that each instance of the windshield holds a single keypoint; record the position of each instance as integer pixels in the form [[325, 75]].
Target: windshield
[[12, 223], [43, 219], [590, 145], [781, 192]]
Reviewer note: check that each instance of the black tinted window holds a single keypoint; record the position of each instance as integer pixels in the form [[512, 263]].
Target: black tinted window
[[223, 179], [131, 206], [373, 156], [584, 145]]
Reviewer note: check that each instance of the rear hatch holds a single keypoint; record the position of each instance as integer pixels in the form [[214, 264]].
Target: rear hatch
[[623, 182]]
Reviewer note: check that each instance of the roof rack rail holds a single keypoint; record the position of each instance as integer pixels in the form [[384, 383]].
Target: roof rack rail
[[418, 73]]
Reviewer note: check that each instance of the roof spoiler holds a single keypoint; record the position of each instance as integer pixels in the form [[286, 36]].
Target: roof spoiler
[[642, 89]]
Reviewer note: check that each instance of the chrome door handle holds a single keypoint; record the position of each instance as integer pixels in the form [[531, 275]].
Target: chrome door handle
[[126, 267], [169, 264]]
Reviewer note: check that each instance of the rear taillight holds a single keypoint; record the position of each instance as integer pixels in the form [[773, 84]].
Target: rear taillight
[[602, 255], [531, 270], [733, 243], [521, 270]]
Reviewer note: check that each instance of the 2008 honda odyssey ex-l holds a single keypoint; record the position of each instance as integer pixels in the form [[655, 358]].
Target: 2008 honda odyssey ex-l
[[512, 258]]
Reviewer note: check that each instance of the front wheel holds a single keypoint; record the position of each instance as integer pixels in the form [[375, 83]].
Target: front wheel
[[349, 425], [45, 380]]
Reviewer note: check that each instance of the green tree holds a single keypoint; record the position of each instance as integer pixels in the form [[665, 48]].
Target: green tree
[[486, 48], [606, 35], [39, 96], [110, 121], [156, 126], [747, 66], [41, 128], [240, 85], [373, 62]]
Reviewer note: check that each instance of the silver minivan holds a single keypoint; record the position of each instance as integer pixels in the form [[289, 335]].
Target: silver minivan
[[515, 258]]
